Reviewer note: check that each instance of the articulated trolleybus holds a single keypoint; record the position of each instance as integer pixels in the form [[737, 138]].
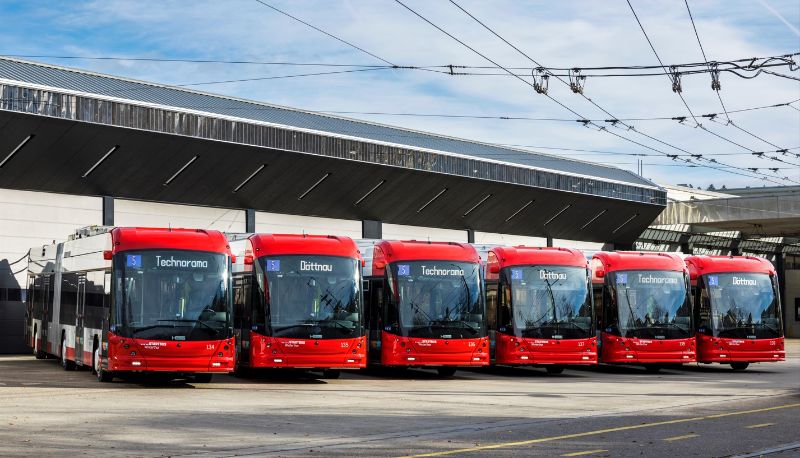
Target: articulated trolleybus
[[298, 303], [645, 311], [539, 302], [426, 305], [737, 310], [123, 300]]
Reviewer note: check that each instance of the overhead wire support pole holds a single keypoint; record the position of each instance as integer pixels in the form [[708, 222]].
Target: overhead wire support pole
[[566, 83]]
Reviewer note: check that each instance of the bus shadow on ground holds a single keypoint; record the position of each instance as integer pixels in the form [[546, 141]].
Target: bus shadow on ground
[[726, 368], [632, 369], [277, 376], [408, 373], [526, 371]]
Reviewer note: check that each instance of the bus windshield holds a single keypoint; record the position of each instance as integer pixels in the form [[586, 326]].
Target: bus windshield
[[550, 301], [743, 305], [317, 297], [652, 304], [172, 295], [438, 298]]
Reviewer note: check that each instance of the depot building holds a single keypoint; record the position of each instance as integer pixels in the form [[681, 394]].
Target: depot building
[[79, 148]]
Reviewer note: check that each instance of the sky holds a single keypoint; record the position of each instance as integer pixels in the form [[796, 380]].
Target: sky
[[565, 34]]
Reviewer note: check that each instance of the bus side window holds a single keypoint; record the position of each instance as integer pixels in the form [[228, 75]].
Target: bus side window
[[69, 298], [95, 308]]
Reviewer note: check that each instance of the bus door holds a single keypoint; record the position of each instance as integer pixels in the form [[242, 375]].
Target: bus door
[[47, 312], [243, 301], [80, 319], [374, 313]]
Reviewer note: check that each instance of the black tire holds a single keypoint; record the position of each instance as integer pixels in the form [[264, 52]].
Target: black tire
[[66, 364], [331, 374], [738, 366], [103, 376], [203, 378], [446, 371], [652, 368], [554, 369]]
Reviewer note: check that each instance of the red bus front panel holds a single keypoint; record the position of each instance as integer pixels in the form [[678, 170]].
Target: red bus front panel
[[125, 354], [524, 350], [616, 349], [274, 352], [422, 351], [725, 350]]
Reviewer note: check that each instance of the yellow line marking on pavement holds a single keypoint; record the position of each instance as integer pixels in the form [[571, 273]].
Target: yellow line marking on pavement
[[587, 452], [680, 438], [601, 431], [760, 425]]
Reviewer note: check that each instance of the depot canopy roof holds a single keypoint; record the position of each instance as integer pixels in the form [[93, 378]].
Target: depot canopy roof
[[175, 131]]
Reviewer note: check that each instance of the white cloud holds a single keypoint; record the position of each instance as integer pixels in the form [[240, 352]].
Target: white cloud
[[564, 34]]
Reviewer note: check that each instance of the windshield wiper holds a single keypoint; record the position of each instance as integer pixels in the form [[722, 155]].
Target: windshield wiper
[[337, 323], [770, 327], [292, 326], [575, 325], [670, 326], [467, 324], [216, 331], [145, 328]]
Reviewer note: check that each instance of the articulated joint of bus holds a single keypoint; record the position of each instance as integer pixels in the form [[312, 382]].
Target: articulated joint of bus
[[726, 350], [617, 349], [523, 350], [422, 351], [139, 355], [299, 353]]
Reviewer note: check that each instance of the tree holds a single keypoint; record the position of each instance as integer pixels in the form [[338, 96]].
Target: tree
[[711, 187]]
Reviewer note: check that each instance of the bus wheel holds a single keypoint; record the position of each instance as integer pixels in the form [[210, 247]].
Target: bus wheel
[[65, 363], [331, 373], [37, 353], [739, 366], [554, 369], [446, 371], [102, 375], [652, 368], [203, 378]]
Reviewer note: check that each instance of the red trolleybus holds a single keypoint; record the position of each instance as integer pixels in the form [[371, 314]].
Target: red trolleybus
[[645, 314], [539, 304], [737, 310], [426, 306], [299, 303], [123, 300]]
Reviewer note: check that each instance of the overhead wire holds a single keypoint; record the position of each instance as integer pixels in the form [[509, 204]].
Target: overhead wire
[[717, 88], [262, 2], [674, 157], [691, 113]]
